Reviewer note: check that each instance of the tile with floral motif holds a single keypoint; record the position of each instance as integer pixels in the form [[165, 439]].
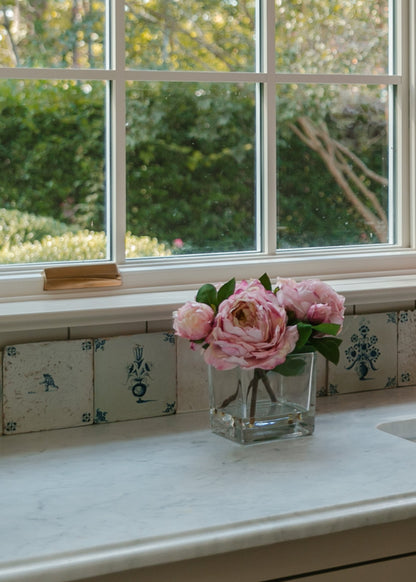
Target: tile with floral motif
[[134, 376], [368, 354]]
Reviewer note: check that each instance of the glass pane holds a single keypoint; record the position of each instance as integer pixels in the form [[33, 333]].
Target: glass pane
[[332, 165], [190, 35], [52, 169], [318, 36], [52, 33], [191, 167]]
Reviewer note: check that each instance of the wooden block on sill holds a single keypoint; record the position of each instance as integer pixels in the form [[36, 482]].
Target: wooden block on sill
[[81, 277]]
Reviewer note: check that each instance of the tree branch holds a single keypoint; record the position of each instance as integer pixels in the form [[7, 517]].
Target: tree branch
[[333, 155]]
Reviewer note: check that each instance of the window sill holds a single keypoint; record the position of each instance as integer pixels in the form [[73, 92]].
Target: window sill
[[69, 309]]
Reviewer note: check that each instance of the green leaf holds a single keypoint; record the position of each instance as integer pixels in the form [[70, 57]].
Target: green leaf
[[328, 347], [265, 281], [291, 367], [327, 328], [305, 331], [208, 294], [226, 290]]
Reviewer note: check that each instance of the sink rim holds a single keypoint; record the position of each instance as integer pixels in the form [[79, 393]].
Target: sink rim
[[404, 428]]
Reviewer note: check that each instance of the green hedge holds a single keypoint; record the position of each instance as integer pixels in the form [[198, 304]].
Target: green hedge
[[27, 238], [190, 166]]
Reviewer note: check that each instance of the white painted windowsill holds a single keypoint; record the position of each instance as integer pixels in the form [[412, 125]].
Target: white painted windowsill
[[66, 309]]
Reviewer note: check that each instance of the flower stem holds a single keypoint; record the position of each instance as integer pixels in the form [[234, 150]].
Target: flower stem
[[254, 383], [267, 385], [231, 398], [258, 375]]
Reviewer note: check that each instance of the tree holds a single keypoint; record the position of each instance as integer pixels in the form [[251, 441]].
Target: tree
[[349, 172], [191, 147]]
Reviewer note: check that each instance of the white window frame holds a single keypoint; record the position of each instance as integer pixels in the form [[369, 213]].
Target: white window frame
[[152, 287]]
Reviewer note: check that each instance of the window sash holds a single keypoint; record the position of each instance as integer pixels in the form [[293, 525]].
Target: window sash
[[347, 261]]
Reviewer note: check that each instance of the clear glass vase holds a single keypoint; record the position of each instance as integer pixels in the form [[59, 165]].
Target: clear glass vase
[[247, 406]]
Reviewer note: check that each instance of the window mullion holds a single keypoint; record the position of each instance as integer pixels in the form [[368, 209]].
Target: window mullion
[[116, 113], [268, 125], [409, 73]]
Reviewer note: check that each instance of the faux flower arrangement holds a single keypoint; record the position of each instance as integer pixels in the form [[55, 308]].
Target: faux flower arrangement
[[253, 326]]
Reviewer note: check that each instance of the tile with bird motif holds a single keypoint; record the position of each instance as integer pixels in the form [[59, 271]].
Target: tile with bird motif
[[47, 385]]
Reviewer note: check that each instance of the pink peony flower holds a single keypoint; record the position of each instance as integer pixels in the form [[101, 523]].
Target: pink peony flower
[[250, 331], [193, 320], [311, 301]]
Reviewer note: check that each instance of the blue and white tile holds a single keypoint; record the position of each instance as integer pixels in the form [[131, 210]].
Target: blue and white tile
[[192, 378], [134, 376], [406, 350], [368, 354], [47, 385]]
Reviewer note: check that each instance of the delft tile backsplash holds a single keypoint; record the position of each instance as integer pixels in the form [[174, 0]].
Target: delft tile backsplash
[[47, 385], [406, 349], [134, 376], [368, 359], [58, 384]]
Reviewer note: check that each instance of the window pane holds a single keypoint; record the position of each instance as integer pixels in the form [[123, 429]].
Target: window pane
[[191, 166], [52, 33], [205, 35], [332, 165], [318, 36], [52, 169]]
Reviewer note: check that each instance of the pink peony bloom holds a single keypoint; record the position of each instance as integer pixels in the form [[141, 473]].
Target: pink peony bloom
[[193, 320], [311, 301], [250, 331]]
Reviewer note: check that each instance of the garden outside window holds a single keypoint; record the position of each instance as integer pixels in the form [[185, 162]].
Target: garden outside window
[[197, 140]]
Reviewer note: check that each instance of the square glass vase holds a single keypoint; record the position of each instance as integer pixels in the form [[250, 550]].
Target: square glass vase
[[247, 406]]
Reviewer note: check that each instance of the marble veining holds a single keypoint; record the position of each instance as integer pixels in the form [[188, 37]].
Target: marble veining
[[166, 488]]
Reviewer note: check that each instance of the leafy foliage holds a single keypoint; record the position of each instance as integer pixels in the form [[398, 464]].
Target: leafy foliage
[[52, 150], [18, 227], [190, 147], [27, 238], [209, 295]]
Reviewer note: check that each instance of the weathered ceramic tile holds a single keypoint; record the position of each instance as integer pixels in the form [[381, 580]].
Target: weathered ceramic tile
[[192, 378], [47, 385], [368, 354], [134, 376], [406, 349]]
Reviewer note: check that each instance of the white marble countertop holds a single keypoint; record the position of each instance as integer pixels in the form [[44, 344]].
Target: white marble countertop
[[92, 500]]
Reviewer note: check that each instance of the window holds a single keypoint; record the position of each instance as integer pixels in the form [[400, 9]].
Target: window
[[187, 140]]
